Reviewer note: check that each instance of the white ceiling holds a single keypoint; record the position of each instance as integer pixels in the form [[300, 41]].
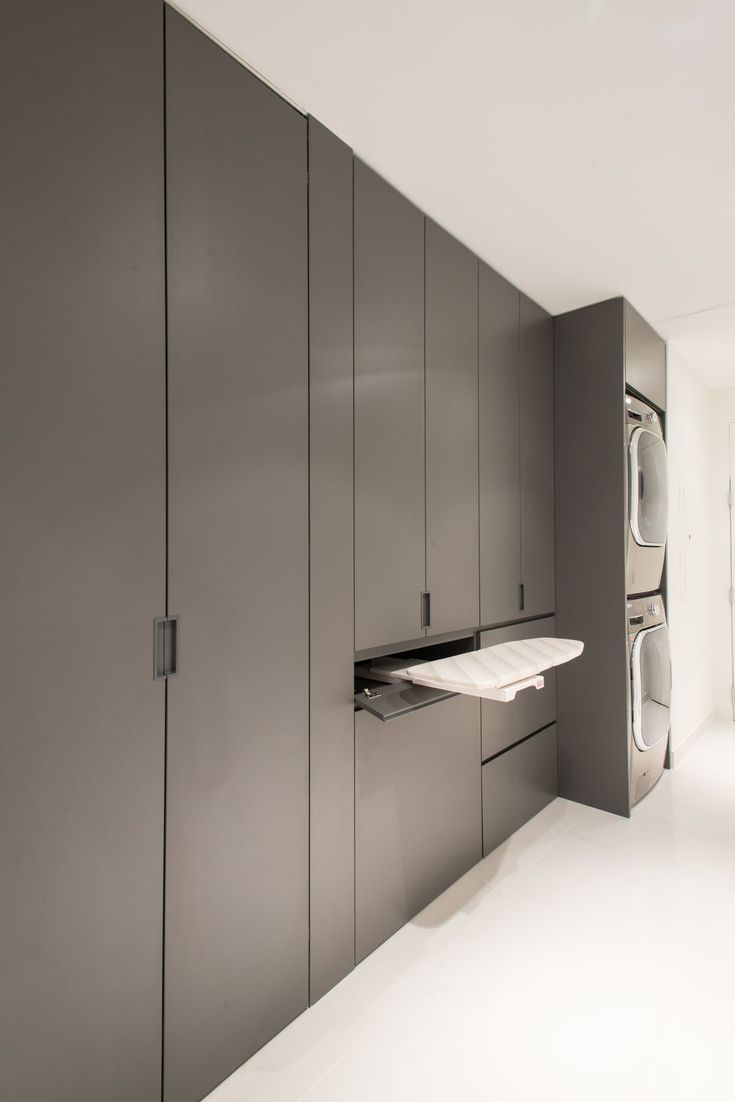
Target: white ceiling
[[584, 148]]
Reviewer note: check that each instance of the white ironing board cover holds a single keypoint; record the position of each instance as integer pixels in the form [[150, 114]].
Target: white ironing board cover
[[488, 671]]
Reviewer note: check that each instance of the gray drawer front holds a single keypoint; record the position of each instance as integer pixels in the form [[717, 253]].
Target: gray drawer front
[[417, 815], [517, 785], [504, 724]]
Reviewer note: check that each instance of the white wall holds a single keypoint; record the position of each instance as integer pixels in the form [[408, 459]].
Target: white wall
[[722, 414], [693, 593]]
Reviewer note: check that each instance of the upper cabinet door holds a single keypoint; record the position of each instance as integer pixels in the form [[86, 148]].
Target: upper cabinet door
[[500, 478], [237, 795], [452, 523], [390, 551], [537, 459]]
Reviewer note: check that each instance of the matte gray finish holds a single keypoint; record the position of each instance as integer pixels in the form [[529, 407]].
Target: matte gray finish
[[237, 799], [645, 358], [505, 724], [82, 553], [390, 529], [592, 692], [452, 536], [537, 458], [418, 812], [332, 748], [500, 476], [517, 785]]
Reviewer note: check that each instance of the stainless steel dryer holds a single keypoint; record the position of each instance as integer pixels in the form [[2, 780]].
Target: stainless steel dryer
[[650, 692], [647, 497]]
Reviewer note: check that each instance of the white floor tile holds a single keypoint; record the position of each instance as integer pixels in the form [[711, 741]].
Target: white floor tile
[[590, 958]]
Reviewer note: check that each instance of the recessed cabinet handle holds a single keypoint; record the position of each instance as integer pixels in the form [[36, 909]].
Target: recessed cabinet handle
[[165, 647], [425, 611]]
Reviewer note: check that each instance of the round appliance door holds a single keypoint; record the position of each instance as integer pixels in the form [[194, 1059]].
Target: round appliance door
[[648, 494], [651, 683]]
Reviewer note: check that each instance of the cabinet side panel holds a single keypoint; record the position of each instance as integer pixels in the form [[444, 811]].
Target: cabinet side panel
[[332, 753], [645, 358], [592, 691]]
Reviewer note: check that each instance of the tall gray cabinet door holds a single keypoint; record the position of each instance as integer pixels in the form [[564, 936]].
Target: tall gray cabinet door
[[452, 536], [236, 961], [82, 552], [332, 625], [537, 458], [390, 531], [500, 477]]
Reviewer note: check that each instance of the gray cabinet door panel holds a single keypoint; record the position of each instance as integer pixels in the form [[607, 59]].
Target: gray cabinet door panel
[[645, 357], [418, 812], [332, 744], [504, 724], [82, 553], [237, 797], [500, 487], [517, 785], [537, 458], [452, 537], [390, 530]]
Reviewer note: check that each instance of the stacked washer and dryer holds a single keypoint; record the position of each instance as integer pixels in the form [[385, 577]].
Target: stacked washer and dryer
[[648, 637]]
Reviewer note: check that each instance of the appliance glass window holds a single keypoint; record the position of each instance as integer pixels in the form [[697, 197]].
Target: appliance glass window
[[648, 494], [651, 671]]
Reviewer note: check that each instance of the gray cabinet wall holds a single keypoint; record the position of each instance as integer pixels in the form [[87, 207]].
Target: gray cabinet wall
[[236, 932], [591, 527], [82, 553], [161, 455]]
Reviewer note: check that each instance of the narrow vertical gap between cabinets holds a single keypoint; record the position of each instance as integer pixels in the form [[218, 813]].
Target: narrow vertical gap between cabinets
[[426, 460], [354, 588], [478, 638], [519, 376], [479, 449], [308, 558], [166, 551]]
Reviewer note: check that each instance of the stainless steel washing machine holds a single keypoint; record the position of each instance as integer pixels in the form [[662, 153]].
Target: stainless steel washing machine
[[650, 692], [647, 497]]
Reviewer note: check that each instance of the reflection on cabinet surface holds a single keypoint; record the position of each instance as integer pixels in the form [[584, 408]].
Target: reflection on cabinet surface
[[418, 812]]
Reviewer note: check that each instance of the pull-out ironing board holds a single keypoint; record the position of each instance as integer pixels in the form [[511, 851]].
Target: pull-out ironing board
[[493, 673]]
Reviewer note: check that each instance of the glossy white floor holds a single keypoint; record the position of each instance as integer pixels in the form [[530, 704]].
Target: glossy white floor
[[590, 958]]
